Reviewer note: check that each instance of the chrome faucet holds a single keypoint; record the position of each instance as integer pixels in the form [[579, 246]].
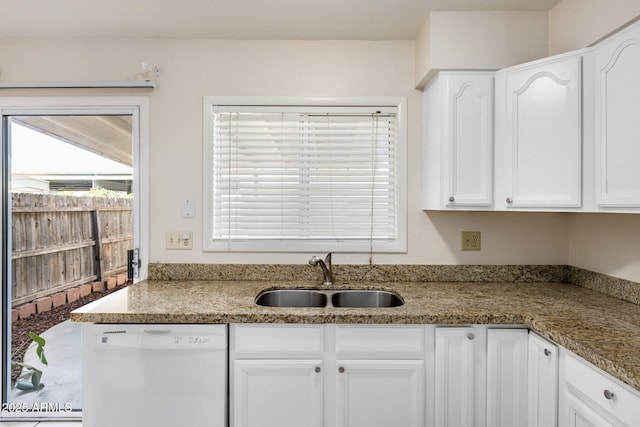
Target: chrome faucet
[[326, 268]]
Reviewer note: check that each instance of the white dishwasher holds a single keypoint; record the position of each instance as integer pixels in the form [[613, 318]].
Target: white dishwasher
[[154, 375]]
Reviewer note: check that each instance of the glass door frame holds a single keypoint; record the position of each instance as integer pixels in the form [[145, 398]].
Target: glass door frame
[[138, 108]]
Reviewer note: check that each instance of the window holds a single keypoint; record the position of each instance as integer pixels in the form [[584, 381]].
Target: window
[[300, 175]]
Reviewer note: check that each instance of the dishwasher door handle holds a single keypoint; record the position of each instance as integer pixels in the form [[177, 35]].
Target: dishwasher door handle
[[158, 331]]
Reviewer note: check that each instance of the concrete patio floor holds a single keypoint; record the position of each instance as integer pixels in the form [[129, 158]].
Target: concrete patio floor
[[62, 378]]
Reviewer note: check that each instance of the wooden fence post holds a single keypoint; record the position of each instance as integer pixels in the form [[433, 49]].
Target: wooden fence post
[[97, 236]]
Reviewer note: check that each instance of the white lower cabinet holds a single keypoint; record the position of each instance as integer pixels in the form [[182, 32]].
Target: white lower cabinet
[[507, 377], [380, 393], [276, 375], [276, 393], [294, 375], [543, 382], [457, 375], [327, 375], [591, 397], [579, 414], [480, 377]]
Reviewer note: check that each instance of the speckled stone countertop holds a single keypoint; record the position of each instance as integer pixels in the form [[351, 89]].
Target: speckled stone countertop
[[602, 329]]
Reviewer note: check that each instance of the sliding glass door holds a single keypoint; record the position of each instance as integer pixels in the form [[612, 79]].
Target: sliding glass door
[[69, 217]]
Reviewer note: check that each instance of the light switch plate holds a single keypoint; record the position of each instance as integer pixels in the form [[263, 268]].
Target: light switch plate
[[178, 239]]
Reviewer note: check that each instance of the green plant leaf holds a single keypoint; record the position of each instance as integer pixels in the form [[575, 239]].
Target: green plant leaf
[[40, 343], [37, 339], [40, 353]]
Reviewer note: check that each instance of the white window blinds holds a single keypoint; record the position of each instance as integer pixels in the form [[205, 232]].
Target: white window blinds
[[295, 173]]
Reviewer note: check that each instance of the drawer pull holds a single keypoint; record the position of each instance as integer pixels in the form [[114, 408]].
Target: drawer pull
[[317, 369], [608, 394], [470, 336], [341, 369], [452, 199], [509, 200], [547, 352]]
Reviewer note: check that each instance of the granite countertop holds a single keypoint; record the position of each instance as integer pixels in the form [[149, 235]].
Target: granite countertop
[[602, 329]]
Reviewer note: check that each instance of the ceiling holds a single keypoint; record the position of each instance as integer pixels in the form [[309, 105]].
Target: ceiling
[[107, 136], [234, 19]]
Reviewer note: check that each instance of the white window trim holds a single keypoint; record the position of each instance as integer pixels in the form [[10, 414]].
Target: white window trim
[[399, 245]]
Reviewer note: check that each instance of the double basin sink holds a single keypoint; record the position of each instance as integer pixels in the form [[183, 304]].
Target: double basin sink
[[319, 298]]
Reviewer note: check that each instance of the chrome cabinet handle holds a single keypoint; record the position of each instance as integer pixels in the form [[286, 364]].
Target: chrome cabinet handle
[[509, 200], [547, 352], [609, 395], [317, 369], [341, 369]]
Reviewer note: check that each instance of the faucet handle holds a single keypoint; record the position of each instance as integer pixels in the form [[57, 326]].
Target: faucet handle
[[327, 260]]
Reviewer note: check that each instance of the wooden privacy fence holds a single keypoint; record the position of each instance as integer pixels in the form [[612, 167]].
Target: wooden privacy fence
[[59, 242]]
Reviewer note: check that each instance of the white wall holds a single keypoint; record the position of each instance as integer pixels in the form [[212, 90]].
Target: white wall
[[191, 69], [479, 40], [574, 24]]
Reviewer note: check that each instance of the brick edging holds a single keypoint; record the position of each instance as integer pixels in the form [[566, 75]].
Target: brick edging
[[44, 304]]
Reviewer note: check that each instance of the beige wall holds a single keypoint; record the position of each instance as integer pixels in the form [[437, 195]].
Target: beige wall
[[194, 68], [606, 243], [479, 40], [423, 53], [574, 24]]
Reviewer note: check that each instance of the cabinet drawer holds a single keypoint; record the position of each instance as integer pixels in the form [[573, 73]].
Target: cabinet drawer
[[380, 341], [277, 340], [606, 392]]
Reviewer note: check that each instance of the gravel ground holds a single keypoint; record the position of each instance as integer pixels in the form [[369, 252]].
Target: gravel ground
[[40, 322]]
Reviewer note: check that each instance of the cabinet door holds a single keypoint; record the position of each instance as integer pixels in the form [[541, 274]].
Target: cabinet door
[[277, 393], [455, 377], [458, 141], [507, 377], [543, 382], [617, 125], [468, 136], [380, 393], [578, 414], [542, 134]]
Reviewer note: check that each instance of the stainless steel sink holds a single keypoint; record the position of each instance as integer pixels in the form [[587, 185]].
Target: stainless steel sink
[[329, 298], [292, 298], [366, 298]]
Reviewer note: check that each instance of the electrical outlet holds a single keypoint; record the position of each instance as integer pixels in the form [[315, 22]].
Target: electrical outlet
[[178, 240], [470, 241]]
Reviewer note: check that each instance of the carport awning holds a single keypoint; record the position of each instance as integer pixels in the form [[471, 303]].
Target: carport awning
[[108, 136]]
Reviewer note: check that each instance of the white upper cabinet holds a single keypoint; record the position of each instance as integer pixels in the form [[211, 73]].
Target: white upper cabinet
[[539, 135], [560, 134], [617, 120], [458, 156]]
